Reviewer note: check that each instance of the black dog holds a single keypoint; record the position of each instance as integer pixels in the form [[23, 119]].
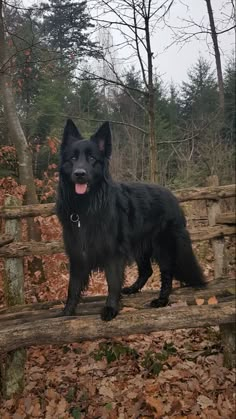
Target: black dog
[[107, 225]]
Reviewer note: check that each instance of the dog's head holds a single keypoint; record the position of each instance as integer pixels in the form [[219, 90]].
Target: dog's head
[[84, 162]]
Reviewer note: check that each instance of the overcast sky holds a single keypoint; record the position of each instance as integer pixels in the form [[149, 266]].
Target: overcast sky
[[173, 62]]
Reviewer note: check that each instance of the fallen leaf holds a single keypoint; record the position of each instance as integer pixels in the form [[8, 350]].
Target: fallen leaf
[[106, 392], [36, 412], [176, 406], [199, 301], [50, 409], [204, 401], [36, 376], [152, 388], [28, 405], [155, 404], [132, 395], [41, 360], [61, 408], [6, 416], [51, 394], [212, 300]]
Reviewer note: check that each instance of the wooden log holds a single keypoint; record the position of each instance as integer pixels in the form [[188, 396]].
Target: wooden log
[[208, 233], [212, 192], [31, 248], [34, 210], [12, 369], [227, 218], [183, 195], [73, 329], [48, 248], [221, 288], [6, 239]]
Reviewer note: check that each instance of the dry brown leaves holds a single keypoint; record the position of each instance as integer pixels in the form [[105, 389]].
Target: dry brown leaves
[[69, 383]]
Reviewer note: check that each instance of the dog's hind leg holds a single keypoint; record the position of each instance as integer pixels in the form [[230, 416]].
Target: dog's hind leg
[[114, 271], [165, 259], [78, 282], [144, 272]]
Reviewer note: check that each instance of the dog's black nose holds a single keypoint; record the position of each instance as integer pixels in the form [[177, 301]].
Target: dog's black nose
[[79, 173]]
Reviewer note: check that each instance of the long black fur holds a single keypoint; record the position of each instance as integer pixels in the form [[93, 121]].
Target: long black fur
[[113, 224]]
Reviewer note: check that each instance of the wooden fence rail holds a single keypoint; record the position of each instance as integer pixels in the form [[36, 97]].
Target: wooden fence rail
[[21, 249], [36, 324]]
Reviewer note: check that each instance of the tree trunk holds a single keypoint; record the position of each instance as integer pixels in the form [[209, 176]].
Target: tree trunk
[[24, 156], [151, 110], [217, 55], [17, 135]]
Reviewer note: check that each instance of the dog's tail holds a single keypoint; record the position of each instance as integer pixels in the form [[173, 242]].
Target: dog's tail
[[187, 269]]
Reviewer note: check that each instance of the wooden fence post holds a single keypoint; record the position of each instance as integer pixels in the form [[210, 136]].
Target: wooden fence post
[[218, 245], [228, 331], [13, 364]]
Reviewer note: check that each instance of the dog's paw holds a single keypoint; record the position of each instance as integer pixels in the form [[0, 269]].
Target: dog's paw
[[159, 303], [130, 290], [108, 313], [67, 311]]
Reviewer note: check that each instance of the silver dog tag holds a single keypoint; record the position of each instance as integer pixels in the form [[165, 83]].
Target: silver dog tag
[[74, 218]]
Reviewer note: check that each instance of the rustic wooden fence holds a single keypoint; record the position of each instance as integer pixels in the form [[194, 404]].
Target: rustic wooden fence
[[25, 325]]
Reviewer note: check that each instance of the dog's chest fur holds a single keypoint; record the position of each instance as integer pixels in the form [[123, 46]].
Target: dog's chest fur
[[91, 238]]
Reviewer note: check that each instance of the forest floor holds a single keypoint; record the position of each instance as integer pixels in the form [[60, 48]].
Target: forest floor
[[176, 374]]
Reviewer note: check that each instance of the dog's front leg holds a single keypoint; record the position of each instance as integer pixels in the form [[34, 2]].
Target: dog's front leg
[[114, 271], [78, 281]]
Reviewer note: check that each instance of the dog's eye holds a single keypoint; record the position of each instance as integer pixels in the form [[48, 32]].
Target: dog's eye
[[91, 158], [73, 158]]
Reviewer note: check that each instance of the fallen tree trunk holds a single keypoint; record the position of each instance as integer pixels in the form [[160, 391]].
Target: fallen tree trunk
[[48, 248], [183, 195], [73, 329], [220, 288]]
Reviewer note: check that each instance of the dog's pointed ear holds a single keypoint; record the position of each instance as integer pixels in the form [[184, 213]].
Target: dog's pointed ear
[[102, 138], [71, 132]]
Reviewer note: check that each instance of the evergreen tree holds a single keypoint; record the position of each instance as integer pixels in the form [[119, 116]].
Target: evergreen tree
[[174, 107], [199, 94], [88, 96], [65, 27], [230, 99]]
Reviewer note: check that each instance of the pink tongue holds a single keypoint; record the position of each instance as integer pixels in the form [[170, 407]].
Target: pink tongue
[[80, 189]]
